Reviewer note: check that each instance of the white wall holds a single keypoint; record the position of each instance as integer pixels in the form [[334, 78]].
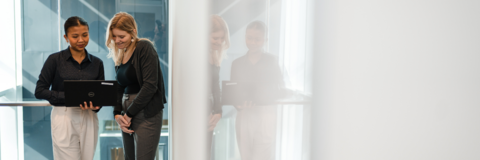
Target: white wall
[[396, 80]]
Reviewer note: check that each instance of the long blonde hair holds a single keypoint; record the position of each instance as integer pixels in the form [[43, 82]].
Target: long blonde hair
[[124, 22], [218, 24]]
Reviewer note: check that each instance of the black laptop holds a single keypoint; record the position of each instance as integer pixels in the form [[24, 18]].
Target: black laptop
[[100, 92]]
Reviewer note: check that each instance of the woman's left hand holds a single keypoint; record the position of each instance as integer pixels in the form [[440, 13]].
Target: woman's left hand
[[91, 107], [129, 119]]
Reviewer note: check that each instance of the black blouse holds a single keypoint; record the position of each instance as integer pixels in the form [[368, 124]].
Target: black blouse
[[127, 77], [61, 66], [264, 78]]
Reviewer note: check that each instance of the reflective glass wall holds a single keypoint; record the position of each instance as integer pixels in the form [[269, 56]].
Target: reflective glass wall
[[43, 35], [257, 65], [264, 79]]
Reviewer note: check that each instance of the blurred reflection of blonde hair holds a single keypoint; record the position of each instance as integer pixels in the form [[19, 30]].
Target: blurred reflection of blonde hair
[[124, 22], [218, 24]]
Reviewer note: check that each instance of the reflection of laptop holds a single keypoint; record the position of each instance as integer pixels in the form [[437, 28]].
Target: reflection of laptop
[[236, 93], [100, 92]]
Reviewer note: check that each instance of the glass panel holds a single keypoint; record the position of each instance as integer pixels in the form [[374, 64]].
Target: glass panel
[[9, 135], [42, 15], [264, 79], [37, 16]]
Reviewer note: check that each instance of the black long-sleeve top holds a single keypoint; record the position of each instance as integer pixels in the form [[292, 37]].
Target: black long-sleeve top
[[151, 96], [61, 66], [265, 72], [127, 77]]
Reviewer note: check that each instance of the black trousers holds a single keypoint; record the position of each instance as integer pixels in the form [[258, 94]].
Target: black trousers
[[143, 143]]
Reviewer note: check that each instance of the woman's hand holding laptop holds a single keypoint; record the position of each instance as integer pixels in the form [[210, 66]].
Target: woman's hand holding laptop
[[246, 104], [87, 107]]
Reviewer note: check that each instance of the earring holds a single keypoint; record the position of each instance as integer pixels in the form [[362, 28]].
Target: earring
[[132, 39]]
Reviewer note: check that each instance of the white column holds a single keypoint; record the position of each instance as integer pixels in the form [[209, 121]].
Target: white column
[[324, 12], [189, 79]]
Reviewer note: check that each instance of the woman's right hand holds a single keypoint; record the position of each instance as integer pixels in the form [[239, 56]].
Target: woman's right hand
[[85, 106], [122, 122]]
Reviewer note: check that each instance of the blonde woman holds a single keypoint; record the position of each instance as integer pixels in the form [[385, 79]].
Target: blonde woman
[[219, 43], [141, 93]]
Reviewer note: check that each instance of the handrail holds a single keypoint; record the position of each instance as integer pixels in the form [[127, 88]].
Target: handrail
[[25, 103], [45, 103], [293, 102]]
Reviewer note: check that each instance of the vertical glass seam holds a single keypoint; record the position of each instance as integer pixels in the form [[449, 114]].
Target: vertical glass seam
[[17, 7], [171, 23], [59, 18]]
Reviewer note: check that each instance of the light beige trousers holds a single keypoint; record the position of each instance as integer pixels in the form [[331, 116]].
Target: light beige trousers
[[74, 133], [256, 132]]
